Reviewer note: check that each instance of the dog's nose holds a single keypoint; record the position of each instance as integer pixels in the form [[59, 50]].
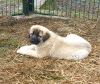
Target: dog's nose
[[34, 39], [34, 36]]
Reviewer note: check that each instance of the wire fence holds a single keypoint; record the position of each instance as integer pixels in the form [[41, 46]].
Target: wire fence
[[10, 7], [89, 9]]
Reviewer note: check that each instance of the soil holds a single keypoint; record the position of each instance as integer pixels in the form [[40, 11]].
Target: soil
[[22, 69]]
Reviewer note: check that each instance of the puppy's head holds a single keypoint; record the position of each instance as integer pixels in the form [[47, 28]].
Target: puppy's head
[[38, 34]]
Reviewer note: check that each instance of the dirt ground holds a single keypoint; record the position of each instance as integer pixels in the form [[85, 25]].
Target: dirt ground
[[22, 69]]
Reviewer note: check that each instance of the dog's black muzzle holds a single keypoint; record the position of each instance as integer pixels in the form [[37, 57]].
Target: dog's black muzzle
[[34, 39]]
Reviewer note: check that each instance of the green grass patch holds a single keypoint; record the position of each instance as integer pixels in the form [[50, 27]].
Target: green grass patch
[[22, 56], [3, 51], [44, 74], [47, 4], [7, 40], [47, 76]]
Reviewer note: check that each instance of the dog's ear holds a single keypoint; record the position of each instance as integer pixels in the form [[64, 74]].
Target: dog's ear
[[45, 37]]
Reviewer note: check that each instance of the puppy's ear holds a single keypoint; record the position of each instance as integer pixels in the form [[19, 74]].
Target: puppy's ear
[[45, 37]]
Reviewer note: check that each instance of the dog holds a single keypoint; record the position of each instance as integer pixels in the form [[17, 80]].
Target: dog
[[47, 43]]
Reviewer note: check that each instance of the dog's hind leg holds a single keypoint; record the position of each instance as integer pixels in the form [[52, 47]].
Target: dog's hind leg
[[78, 55]]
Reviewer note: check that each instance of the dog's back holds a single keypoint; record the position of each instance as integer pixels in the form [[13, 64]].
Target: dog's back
[[72, 47]]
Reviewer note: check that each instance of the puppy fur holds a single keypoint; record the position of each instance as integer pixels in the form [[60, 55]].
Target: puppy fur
[[46, 43]]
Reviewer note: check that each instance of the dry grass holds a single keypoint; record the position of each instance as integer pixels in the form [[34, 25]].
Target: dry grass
[[21, 69]]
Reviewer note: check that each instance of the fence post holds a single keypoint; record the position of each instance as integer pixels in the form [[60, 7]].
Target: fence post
[[28, 6], [25, 7], [31, 5]]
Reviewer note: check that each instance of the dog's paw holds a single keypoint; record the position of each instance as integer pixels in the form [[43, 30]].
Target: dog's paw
[[24, 47], [22, 50], [19, 51]]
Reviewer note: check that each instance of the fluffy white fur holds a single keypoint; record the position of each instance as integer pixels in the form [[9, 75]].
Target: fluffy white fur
[[72, 47]]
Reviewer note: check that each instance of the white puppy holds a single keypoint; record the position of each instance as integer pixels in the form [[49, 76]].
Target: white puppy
[[46, 43]]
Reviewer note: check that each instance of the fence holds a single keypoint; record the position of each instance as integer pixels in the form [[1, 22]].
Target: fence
[[89, 9], [10, 7]]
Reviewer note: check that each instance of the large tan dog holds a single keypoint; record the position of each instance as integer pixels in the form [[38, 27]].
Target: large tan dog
[[46, 43]]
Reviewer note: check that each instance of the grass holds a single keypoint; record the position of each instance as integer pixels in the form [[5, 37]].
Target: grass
[[3, 51], [20, 69], [7, 41], [47, 4], [47, 76]]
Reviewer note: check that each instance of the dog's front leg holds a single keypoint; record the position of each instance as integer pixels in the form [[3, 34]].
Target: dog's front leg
[[28, 52], [30, 47]]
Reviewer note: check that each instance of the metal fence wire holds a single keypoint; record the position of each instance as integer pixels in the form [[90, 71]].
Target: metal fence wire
[[89, 9], [10, 7]]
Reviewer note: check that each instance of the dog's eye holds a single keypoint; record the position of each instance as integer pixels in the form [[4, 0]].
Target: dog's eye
[[39, 35]]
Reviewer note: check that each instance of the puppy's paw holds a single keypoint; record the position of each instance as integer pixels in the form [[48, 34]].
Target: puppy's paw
[[24, 47], [19, 51]]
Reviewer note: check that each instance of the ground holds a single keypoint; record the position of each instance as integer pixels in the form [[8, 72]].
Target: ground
[[22, 69]]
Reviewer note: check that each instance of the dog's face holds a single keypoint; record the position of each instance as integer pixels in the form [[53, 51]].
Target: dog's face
[[38, 34]]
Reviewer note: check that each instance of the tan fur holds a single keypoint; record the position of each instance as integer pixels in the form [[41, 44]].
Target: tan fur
[[70, 47]]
